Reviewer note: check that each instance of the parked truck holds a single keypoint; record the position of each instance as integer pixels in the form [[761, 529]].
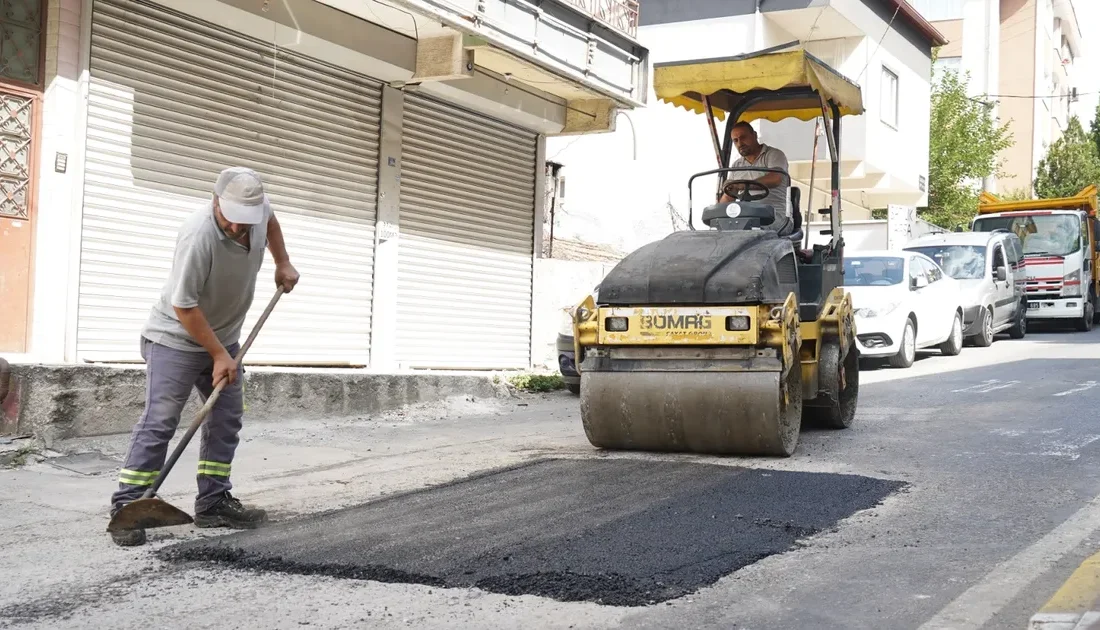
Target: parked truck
[[1060, 252]]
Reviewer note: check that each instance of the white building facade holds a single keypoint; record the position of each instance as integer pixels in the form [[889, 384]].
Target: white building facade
[[402, 143], [883, 45], [1021, 57]]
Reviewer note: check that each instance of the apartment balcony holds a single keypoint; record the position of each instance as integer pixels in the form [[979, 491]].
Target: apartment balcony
[[581, 51], [621, 15]]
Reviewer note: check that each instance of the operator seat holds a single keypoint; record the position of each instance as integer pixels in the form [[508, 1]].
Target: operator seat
[[796, 214]]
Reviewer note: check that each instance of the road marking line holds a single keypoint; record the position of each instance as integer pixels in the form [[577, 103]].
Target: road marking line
[[1069, 449], [1080, 388], [975, 607], [987, 386]]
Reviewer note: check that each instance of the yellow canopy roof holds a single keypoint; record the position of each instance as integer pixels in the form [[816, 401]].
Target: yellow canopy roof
[[726, 82]]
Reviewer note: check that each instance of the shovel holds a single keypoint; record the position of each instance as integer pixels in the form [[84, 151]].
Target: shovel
[[149, 511]]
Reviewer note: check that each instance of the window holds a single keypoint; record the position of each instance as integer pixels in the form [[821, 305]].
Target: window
[[947, 64], [877, 271], [917, 270], [934, 10], [1012, 245], [21, 24], [998, 257], [961, 262], [1041, 235], [888, 98], [935, 274]]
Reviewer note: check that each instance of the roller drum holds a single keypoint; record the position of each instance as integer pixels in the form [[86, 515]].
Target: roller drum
[[722, 413]]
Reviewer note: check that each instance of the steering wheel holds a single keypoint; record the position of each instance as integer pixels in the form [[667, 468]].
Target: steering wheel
[[745, 193]]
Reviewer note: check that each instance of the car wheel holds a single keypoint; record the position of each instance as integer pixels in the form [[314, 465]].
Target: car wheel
[[953, 345], [574, 388], [985, 338], [907, 353], [1019, 329]]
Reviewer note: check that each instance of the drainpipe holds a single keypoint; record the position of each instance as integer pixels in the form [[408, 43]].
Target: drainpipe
[[988, 50], [989, 109], [555, 168]]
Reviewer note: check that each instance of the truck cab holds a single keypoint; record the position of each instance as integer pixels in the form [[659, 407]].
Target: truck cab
[[1059, 253]]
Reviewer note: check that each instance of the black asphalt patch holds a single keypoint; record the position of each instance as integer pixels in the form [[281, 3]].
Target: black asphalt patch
[[615, 532]]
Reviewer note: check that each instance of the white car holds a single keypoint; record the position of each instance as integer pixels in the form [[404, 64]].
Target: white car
[[903, 302]]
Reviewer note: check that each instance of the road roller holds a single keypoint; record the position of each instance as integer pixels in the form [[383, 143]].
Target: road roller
[[723, 338]]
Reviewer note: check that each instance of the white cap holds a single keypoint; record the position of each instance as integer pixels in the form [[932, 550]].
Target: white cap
[[241, 195]]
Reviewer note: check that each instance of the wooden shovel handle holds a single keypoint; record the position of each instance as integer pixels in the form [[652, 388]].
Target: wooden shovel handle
[[205, 411]]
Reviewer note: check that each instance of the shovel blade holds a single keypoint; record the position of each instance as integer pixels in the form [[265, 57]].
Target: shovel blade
[[147, 514]]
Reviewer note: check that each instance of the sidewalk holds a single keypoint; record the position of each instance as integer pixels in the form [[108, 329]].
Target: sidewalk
[[1076, 605], [59, 402]]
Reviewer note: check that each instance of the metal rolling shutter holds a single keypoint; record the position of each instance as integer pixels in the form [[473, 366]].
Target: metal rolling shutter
[[172, 102], [467, 239]]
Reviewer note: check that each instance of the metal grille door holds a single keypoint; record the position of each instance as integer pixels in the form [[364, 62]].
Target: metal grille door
[[172, 102], [467, 238]]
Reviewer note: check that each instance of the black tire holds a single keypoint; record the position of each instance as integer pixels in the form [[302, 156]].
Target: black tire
[[839, 408], [907, 353], [1087, 320], [954, 344], [1019, 329], [790, 415], [574, 388], [984, 338]]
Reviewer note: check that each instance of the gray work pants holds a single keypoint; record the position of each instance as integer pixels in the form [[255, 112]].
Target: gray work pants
[[170, 375]]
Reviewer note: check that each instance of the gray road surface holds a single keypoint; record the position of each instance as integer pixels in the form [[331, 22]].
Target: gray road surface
[[999, 449]]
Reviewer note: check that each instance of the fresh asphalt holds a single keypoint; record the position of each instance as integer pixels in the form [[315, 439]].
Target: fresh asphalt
[[615, 532], [963, 495]]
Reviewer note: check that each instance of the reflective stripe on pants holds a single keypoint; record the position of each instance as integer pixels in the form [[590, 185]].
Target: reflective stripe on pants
[[170, 376]]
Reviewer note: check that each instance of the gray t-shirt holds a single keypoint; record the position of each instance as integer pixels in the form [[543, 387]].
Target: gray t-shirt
[[210, 271], [769, 157]]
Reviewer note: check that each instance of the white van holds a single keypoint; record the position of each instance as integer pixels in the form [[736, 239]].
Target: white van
[[987, 264]]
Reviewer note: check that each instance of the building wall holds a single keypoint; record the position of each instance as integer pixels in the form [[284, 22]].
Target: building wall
[[612, 197], [1042, 110], [1024, 61], [911, 129], [973, 48], [346, 42], [618, 186], [952, 31], [889, 175], [1018, 52], [58, 224]]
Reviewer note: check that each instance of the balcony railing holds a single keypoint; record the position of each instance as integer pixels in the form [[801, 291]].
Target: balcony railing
[[621, 15]]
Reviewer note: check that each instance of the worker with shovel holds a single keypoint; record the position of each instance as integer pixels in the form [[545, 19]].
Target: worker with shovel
[[190, 340]]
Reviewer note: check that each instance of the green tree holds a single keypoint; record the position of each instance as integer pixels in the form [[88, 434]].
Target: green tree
[[1016, 194], [1071, 163], [964, 142], [1094, 128]]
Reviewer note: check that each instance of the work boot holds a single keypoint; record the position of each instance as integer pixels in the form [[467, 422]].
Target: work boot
[[229, 512], [127, 537]]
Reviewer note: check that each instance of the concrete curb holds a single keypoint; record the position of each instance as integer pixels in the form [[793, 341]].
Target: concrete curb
[[1076, 604], [56, 402]]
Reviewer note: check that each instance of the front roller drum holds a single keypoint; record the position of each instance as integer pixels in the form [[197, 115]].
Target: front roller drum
[[720, 413]]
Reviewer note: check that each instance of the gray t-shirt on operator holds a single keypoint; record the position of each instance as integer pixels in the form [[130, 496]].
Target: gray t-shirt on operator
[[779, 197], [210, 271]]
